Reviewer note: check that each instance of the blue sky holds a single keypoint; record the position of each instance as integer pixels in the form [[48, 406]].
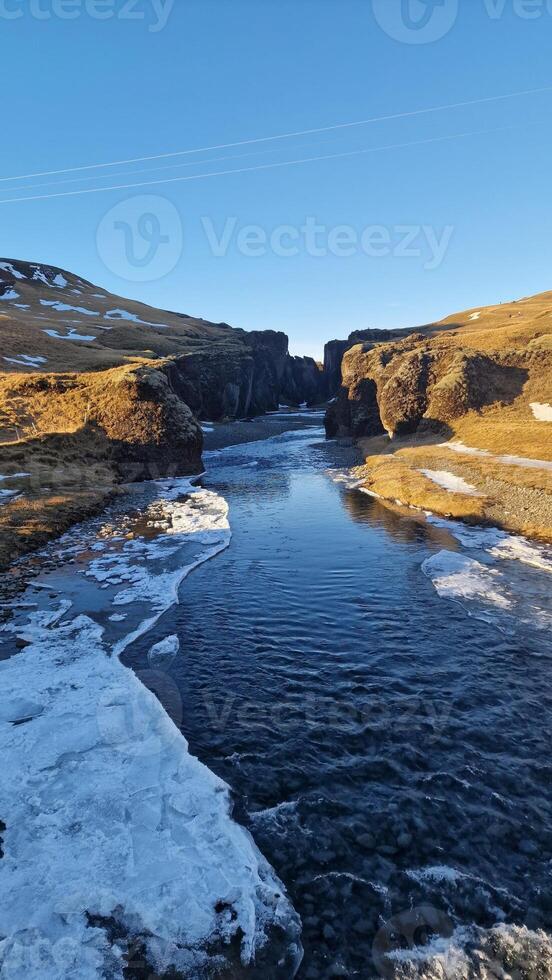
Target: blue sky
[[477, 209]]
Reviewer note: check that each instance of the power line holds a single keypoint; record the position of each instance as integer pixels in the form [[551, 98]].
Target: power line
[[266, 166], [145, 170], [282, 136]]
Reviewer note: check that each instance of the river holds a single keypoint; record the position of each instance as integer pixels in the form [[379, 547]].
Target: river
[[374, 687]]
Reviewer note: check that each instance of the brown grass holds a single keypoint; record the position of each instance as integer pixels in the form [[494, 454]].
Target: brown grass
[[512, 497]]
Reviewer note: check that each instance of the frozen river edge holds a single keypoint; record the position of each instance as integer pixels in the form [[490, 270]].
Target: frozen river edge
[[118, 846]]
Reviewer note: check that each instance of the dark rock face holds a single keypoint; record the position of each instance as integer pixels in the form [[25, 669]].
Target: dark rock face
[[270, 355], [247, 376], [217, 385], [333, 356], [303, 381], [335, 350], [355, 413], [385, 389]]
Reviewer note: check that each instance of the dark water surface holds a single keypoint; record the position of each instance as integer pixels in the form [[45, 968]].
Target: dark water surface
[[388, 751]]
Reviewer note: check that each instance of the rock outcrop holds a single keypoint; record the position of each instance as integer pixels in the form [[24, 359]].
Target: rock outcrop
[[419, 385], [53, 322], [129, 417], [335, 350], [465, 403], [304, 382]]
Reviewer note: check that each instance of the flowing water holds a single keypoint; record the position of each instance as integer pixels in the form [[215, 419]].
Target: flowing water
[[374, 685], [388, 748]]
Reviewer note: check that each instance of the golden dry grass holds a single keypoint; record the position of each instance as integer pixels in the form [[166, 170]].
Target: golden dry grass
[[511, 497], [516, 340]]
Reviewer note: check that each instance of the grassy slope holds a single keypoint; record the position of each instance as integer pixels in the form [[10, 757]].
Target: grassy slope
[[71, 474], [514, 497]]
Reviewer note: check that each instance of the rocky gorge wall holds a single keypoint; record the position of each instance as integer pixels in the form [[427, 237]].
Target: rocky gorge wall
[[130, 418], [246, 378], [421, 385], [335, 350]]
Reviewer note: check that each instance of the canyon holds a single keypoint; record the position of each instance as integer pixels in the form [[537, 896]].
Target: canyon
[[97, 390]]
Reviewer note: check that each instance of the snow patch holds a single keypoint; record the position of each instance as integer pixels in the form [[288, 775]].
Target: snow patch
[[25, 360], [475, 316], [542, 411], [8, 267], [533, 464], [450, 482], [520, 549], [65, 308], [99, 784], [9, 294], [6, 495], [130, 318], [72, 335], [467, 952], [456, 576]]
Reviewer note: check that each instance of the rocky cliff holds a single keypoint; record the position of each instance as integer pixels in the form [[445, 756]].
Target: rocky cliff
[[303, 382], [130, 417], [53, 321], [335, 350], [468, 399], [96, 390]]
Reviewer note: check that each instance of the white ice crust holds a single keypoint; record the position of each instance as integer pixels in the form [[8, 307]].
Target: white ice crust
[[109, 819]]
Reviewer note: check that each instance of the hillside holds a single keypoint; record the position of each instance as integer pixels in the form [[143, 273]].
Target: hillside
[[97, 390], [456, 417]]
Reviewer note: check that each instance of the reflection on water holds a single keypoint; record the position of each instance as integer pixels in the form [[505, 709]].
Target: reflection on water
[[390, 753]]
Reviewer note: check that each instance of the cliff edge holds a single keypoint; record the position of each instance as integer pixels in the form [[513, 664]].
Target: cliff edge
[[456, 418]]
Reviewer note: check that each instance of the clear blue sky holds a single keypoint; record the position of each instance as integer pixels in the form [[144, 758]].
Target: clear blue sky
[[86, 91]]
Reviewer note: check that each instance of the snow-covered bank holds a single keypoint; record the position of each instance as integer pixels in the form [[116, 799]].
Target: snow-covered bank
[[116, 838], [498, 577]]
